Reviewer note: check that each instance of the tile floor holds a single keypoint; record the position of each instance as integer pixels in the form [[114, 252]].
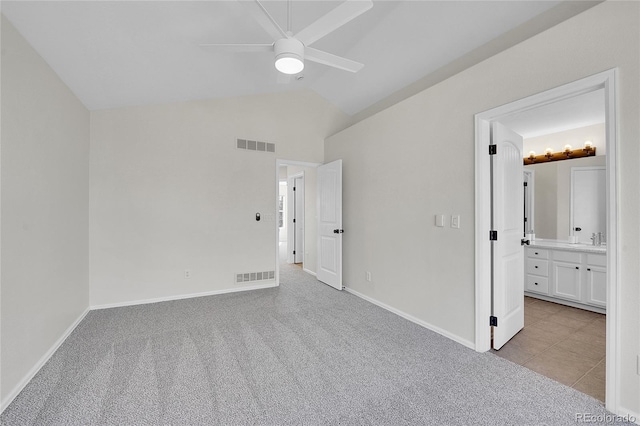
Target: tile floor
[[563, 343]]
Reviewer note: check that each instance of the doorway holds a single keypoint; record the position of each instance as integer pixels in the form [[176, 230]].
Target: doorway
[[606, 82], [302, 176]]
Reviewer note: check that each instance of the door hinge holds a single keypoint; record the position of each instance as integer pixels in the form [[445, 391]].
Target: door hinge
[[294, 252], [493, 235], [294, 221], [493, 149], [493, 321], [294, 188], [526, 183]]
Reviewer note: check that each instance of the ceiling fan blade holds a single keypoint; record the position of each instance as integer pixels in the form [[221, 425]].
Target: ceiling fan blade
[[266, 21], [336, 18], [325, 58], [238, 47]]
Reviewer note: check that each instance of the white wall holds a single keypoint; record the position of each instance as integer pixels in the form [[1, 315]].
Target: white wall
[[170, 191], [416, 159], [574, 137], [45, 200]]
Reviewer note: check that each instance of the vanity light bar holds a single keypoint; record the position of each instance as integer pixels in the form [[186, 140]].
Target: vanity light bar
[[558, 156]]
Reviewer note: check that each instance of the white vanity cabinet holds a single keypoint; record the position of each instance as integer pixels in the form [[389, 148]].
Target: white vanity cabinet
[[537, 271], [567, 276], [596, 280]]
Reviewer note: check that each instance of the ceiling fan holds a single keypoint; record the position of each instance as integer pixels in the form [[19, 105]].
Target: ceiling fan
[[291, 50]]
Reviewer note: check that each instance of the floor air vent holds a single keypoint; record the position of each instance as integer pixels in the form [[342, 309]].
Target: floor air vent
[[255, 276], [250, 145]]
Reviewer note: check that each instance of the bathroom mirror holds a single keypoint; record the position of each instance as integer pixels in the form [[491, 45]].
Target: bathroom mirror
[[553, 217]]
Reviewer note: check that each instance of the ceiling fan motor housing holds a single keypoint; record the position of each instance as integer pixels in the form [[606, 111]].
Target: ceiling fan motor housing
[[289, 55]]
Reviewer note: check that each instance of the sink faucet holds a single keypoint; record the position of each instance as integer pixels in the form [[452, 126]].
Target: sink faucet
[[597, 239]]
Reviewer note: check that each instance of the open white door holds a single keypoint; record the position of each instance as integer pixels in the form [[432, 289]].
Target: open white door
[[330, 224], [508, 222]]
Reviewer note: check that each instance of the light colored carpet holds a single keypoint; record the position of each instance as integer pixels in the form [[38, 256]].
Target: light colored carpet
[[302, 353]]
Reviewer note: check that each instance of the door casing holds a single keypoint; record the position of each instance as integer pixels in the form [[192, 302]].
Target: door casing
[[605, 80]]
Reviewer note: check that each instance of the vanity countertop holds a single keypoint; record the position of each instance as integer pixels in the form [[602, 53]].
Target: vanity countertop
[[566, 245]]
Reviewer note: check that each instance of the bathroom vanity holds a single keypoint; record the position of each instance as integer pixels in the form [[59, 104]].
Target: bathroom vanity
[[570, 274]]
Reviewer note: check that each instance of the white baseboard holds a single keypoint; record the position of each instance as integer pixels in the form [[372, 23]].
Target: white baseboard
[[413, 319], [42, 361], [308, 271], [182, 296]]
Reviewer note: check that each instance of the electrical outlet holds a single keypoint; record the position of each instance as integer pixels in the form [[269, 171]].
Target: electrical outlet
[[367, 275], [455, 221], [187, 273]]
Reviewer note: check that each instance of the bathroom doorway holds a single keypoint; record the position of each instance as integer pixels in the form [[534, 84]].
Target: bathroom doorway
[[603, 85]]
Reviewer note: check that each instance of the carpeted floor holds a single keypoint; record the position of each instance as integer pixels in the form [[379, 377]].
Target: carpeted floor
[[302, 353]]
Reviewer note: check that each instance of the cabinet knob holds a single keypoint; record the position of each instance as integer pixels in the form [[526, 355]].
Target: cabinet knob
[[588, 269], [577, 267], [536, 267], [536, 253], [536, 283]]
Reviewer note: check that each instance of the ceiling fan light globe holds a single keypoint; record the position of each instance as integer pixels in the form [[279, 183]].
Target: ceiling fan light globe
[[289, 63]]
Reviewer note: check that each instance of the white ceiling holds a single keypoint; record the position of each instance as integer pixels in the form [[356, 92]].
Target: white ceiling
[[572, 113], [121, 53]]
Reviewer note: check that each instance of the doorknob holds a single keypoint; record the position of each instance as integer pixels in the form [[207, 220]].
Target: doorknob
[[338, 231], [577, 228]]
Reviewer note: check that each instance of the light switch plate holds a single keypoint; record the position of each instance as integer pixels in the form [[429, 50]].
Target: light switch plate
[[440, 220], [455, 221]]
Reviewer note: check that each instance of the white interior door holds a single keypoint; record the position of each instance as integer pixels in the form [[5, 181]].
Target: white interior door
[[508, 221], [298, 220], [588, 205], [330, 224]]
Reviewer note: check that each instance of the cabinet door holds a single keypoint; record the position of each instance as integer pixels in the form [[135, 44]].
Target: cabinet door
[[566, 281], [596, 286], [537, 284], [538, 267]]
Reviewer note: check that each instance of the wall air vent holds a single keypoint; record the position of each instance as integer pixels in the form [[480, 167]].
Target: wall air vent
[[259, 146], [255, 276]]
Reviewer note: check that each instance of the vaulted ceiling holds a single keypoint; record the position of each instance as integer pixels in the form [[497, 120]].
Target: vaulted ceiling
[[122, 53]]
